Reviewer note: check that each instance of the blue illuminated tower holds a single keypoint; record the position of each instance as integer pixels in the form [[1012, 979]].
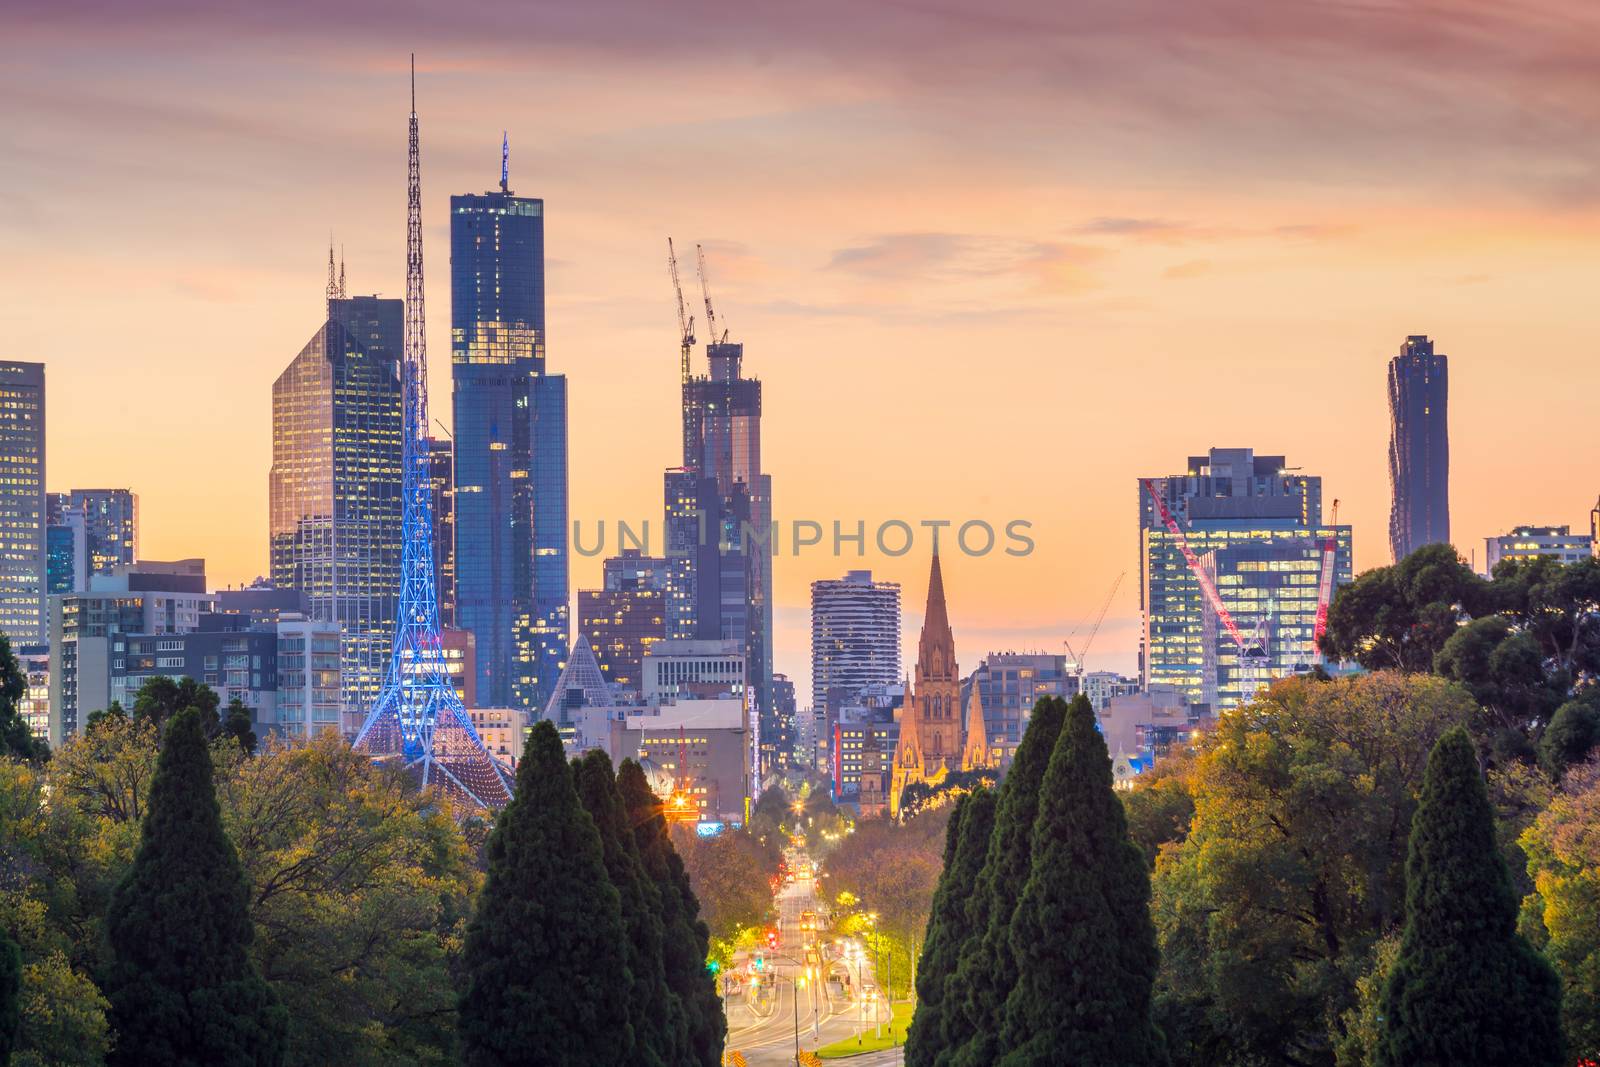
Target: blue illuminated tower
[[418, 719]]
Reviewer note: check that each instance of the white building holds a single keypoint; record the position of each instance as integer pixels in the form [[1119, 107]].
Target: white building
[[855, 637], [1531, 542]]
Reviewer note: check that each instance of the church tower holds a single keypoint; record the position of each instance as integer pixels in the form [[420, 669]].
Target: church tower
[[932, 737]]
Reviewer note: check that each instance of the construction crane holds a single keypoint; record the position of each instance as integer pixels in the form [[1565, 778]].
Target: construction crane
[[1208, 588], [685, 320], [1078, 657], [705, 290]]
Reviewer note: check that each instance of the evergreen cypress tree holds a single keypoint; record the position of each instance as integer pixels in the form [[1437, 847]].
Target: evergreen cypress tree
[[1082, 938], [10, 996], [975, 998], [966, 847], [182, 986], [654, 1042], [686, 941], [546, 977], [1466, 990]]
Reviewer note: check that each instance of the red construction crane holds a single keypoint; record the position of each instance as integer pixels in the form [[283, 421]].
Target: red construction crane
[[1330, 552], [1207, 587]]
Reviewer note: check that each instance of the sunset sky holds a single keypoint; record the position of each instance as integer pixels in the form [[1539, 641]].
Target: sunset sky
[[992, 260]]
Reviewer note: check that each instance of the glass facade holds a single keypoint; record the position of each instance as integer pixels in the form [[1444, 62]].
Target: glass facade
[[855, 638], [334, 488], [23, 563], [626, 618], [510, 451], [442, 484], [1419, 447], [110, 522]]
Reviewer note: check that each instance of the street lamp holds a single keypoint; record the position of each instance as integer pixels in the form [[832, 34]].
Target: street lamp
[[799, 984]]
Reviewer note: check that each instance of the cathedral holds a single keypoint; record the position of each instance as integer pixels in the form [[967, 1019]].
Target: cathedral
[[935, 738]]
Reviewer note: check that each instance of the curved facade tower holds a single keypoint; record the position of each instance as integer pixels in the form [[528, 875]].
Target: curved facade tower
[[418, 718]]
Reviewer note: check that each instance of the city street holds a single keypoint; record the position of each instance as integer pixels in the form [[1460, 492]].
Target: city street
[[763, 1016]]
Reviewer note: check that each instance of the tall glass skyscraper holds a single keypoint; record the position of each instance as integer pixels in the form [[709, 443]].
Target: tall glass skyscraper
[[22, 503], [110, 523], [1419, 447], [855, 637], [510, 450], [334, 488]]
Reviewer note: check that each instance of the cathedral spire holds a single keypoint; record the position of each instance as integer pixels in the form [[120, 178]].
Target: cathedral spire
[[936, 648]]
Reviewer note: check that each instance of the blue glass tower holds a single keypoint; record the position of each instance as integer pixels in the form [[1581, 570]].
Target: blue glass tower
[[418, 718], [510, 449]]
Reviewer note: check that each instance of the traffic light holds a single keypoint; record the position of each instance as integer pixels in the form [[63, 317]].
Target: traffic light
[[714, 966], [772, 939]]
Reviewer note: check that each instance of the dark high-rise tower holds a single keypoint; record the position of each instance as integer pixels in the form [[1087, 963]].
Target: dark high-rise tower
[[418, 718], [1419, 447], [510, 449]]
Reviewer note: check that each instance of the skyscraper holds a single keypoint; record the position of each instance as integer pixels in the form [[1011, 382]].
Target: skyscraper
[[1244, 532], [334, 487], [627, 616], [110, 523], [510, 449], [23, 551], [1419, 447], [718, 531], [442, 484], [855, 637]]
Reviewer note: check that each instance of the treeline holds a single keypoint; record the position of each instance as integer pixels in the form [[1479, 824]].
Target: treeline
[[1324, 891], [167, 898]]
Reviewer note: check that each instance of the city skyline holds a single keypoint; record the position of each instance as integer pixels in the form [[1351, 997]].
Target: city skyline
[[1291, 304]]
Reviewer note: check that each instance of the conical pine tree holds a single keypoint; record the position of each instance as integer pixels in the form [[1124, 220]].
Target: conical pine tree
[[1466, 990], [10, 996], [654, 1043], [686, 941], [1082, 937], [182, 986], [966, 847], [547, 980], [975, 998]]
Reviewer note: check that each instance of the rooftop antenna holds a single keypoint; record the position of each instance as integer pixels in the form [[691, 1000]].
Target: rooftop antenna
[[333, 282], [341, 273], [505, 162]]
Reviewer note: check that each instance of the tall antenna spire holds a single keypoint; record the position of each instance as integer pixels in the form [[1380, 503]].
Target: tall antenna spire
[[505, 162], [341, 273], [333, 285]]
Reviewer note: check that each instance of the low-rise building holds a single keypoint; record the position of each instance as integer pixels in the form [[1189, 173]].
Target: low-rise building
[[1532, 542]]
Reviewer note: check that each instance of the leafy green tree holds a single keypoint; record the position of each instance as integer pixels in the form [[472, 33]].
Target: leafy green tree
[[182, 986], [1160, 806], [976, 995], [10, 995], [160, 698], [966, 846], [1503, 667], [237, 725], [686, 942], [1573, 733], [1399, 617], [1294, 864], [16, 739], [1562, 914], [653, 1040], [545, 966], [1082, 937], [1466, 988], [730, 874]]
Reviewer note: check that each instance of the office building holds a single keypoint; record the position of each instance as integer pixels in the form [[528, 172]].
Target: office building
[[510, 450], [442, 484], [718, 531], [1101, 686], [625, 618], [34, 708], [67, 555], [334, 487], [262, 602], [1225, 502], [225, 652], [855, 636], [1531, 542], [787, 712], [1419, 447], [309, 694], [23, 549], [1148, 725], [111, 523], [1008, 685], [89, 631]]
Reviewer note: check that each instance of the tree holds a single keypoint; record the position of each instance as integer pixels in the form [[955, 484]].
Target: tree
[[1082, 939], [1399, 617], [685, 939], [1502, 666], [237, 725], [182, 986], [967, 845], [1573, 733], [544, 956], [976, 995], [653, 1040], [730, 875], [10, 995], [1294, 863], [1466, 988], [160, 698], [1562, 914], [16, 739]]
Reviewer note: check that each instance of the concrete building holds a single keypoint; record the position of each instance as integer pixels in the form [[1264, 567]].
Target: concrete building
[[1419, 447], [1008, 684], [1144, 726], [1532, 542], [309, 699], [503, 731], [1226, 502], [1101, 686], [89, 631], [855, 636], [624, 619], [23, 548]]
